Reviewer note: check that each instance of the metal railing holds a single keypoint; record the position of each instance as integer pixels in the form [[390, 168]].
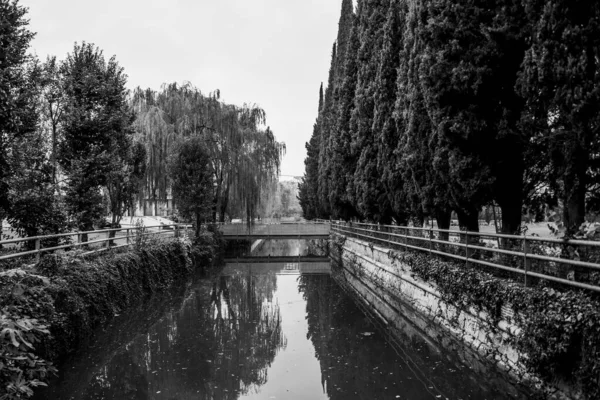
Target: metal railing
[[530, 259], [275, 230], [127, 238]]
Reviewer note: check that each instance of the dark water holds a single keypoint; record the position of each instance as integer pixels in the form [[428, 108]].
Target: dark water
[[261, 332]]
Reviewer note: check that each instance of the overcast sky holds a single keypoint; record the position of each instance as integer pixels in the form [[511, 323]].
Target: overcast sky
[[274, 53]]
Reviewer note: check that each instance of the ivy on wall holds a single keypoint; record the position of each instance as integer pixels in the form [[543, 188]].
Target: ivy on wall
[[560, 330]]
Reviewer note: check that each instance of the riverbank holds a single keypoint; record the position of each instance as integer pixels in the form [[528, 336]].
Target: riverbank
[[543, 337], [49, 310]]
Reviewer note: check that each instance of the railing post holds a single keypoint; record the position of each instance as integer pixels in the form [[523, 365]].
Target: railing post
[[466, 248], [526, 260], [37, 248], [430, 238], [128, 236]]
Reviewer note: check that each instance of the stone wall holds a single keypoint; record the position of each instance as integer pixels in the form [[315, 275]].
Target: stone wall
[[398, 297]]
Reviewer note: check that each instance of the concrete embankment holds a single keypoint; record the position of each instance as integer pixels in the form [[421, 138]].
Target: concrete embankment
[[392, 291]]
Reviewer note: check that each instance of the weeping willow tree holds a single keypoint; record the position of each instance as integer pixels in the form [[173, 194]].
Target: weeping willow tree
[[245, 157]]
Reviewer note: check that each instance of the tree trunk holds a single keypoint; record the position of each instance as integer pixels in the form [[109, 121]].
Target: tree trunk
[[574, 190], [198, 221], [155, 204], [443, 219], [224, 204], [468, 220]]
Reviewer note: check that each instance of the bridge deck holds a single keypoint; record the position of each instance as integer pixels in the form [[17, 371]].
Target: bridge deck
[[275, 231]]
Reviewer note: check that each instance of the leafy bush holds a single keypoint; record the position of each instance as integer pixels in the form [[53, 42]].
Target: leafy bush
[[20, 369], [560, 330], [69, 296]]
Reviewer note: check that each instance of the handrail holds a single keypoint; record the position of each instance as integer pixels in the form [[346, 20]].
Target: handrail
[[481, 234], [174, 229], [520, 264], [74, 233], [472, 233]]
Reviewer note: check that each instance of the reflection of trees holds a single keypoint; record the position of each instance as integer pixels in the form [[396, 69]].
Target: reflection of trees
[[249, 325], [217, 345], [357, 367]]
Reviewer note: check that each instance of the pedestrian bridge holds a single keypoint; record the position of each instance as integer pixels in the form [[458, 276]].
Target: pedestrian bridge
[[276, 231]]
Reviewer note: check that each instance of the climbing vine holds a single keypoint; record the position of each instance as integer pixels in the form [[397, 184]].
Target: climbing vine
[[560, 330]]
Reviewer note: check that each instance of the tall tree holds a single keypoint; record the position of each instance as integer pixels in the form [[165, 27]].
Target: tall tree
[[97, 129], [308, 188], [390, 192], [561, 82], [343, 163], [326, 122], [244, 156], [420, 155], [366, 183], [191, 175], [52, 100], [470, 93], [18, 91]]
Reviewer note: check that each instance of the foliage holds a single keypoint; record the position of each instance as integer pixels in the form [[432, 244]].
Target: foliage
[[17, 88], [560, 82], [560, 330], [97, 129], [192, 182], [69, 296], [125, 180], [20, 369], [244, 157], [34, 207], [436, 107]]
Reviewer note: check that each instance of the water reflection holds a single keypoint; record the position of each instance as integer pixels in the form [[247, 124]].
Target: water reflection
[[218, 345], [265, 331], [357, 362]]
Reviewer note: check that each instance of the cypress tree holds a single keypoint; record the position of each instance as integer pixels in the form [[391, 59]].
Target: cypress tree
[[326, 123], [308, 189], [366, 182], [390, 191], [342, 160], [469, 87], [561, 83], [420, 156]]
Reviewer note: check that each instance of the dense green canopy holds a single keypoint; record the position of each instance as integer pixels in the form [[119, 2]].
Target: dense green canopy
[[442, 107], [244, 157]]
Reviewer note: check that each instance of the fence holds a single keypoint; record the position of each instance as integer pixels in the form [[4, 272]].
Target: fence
[[275, 230], [108, 242], [531, 259]]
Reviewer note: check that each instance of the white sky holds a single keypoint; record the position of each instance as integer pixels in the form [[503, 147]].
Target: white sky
[[274, 53]]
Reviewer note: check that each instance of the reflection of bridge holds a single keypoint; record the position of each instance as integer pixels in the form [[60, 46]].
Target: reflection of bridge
[[275, 231], [276, 259], [290, 268]]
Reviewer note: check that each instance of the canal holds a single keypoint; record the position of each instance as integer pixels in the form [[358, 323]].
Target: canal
[[265, 331]]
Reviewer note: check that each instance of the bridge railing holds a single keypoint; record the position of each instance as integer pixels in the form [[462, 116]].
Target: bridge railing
[[530, 259], [287, 229], [112, 239]]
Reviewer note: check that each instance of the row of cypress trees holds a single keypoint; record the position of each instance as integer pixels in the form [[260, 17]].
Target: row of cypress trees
[[440, 106]]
